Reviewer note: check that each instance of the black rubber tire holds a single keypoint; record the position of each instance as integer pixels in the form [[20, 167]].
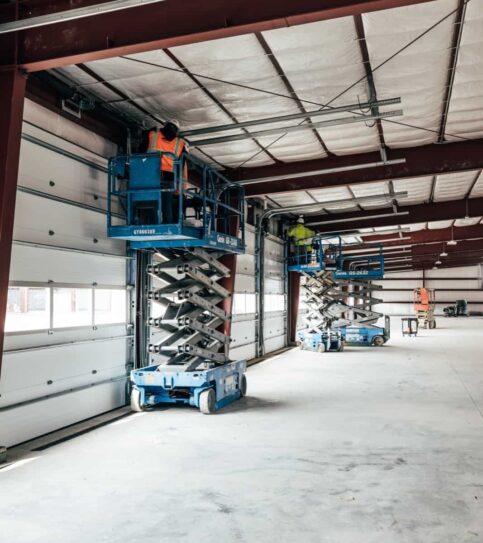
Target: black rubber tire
[[135, 401], [378, 341], [321, 348], [243, 385], [208, 401]]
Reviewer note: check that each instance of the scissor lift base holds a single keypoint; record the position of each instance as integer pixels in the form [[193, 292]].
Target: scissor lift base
[[156, 385], [330, 341]]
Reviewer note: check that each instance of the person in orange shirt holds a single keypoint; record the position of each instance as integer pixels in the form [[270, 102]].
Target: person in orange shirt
[[167, 140]]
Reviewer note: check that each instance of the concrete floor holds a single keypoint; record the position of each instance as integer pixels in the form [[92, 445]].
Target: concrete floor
[[370, 445]]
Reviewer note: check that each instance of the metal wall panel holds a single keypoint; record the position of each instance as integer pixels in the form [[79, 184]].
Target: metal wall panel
[[468, 277]]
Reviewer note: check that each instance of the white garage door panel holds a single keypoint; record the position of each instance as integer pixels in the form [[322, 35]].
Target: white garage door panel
[[41, 265], [273, 286], [242, 332], [40, 167], [73, 226], [43, 338], [25, 374], [247, 352], [273, 249], [273, 269], [273, 344], [249, 239], [23, 423], [244, 283], [274, 326], [245, 264], [89, 145]]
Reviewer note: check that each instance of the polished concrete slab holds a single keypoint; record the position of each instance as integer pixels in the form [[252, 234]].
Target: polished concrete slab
[[370, 445]]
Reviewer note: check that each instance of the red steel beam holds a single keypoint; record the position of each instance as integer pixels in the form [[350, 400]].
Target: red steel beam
[[425, 265], [430, 236], [437, 211], [427, 160], [166, 24], [293, 304], [12, 92], [466, 248]]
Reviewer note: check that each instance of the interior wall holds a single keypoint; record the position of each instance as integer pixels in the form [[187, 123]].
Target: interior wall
[[450, 284], [69, 336]]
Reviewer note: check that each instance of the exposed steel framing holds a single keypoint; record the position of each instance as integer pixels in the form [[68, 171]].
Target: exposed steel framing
[[12, 92], [165, 24]]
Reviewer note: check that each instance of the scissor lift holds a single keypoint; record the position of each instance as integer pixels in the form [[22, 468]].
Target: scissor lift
[[331, 280], [424, 304], [183, 306]]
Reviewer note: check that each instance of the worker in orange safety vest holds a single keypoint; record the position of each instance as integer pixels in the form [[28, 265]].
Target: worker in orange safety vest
[[167, 140]]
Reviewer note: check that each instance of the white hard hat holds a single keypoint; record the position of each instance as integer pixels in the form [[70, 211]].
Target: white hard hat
[[173, 121], [300, 220]]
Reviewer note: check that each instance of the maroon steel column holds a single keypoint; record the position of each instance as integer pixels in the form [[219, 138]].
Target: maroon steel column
[[293, 304], [12, 92]]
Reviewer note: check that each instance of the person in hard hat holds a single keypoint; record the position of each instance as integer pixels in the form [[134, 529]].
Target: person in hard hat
[[302, 238], [167, 140]]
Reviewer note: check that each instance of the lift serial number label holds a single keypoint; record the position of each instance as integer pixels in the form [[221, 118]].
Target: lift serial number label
[[144, 232]]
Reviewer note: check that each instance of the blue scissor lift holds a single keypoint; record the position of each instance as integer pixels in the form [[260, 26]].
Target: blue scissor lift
[[333, 276], [179, 236]]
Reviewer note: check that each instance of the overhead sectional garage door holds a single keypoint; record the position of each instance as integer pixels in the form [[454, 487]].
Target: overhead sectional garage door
[[68, 328], [275, 302], [244, 335]]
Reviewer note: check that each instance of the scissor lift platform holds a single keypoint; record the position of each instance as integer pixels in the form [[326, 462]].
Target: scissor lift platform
[[136, 182]]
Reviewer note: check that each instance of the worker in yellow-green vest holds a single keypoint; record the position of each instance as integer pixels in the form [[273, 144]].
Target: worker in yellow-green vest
[[302, 237], [167, 140]]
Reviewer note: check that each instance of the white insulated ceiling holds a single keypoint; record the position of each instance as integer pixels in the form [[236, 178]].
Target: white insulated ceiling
[[239, 79]]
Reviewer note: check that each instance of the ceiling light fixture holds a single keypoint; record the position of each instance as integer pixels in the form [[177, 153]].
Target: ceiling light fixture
[[444, 253], [452, 241], [438, 262]]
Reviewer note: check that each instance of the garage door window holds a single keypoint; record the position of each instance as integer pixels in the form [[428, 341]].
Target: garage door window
[[28, 308], [110, 306], [72, 307]]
